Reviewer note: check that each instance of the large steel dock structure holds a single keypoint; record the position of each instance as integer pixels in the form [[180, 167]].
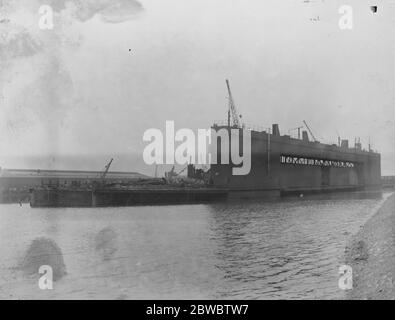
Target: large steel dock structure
[[281, 165]]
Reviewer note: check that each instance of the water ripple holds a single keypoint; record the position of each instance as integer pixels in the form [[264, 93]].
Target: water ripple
[[251, 250]]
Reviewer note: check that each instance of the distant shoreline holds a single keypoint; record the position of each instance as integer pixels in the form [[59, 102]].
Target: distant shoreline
[[371, 254]]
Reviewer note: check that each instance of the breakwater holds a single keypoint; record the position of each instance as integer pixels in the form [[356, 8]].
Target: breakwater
[[371, 254]]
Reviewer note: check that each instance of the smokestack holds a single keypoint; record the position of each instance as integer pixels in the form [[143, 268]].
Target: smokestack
[[305, 136], [358, 144], [275, 130], [191, 171], [344, 144]]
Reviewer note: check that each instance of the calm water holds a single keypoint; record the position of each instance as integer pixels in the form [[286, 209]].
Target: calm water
[[257, 250]]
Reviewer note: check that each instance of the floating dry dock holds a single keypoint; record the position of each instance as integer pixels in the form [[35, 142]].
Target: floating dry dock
[[280, 165], [277, 164]]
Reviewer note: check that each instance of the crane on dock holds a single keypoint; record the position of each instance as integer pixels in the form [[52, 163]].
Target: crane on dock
[[173, 174], [311, 133], [232, 111], [173, 177], [106, 168]]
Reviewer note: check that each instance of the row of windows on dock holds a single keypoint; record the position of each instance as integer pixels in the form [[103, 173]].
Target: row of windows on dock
[[315, 162]]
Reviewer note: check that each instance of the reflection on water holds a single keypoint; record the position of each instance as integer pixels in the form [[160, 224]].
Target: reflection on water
[[44, 251], [257, 250], [106, 243]]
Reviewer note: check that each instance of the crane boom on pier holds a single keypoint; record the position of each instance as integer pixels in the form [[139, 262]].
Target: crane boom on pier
[[106, 168], [232, 112], [311, 133]]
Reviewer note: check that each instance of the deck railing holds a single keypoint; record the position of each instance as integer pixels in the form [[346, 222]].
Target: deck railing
[[246, 126]]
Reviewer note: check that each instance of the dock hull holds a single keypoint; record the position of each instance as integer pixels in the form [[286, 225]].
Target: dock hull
[[121, 198], [294, 165]]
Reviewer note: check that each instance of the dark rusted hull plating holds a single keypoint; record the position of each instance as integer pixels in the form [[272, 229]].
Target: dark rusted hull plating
[[118, 198], [294, 166]]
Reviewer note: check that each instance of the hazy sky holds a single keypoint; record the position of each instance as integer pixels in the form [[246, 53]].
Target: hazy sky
[[110, 69]]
